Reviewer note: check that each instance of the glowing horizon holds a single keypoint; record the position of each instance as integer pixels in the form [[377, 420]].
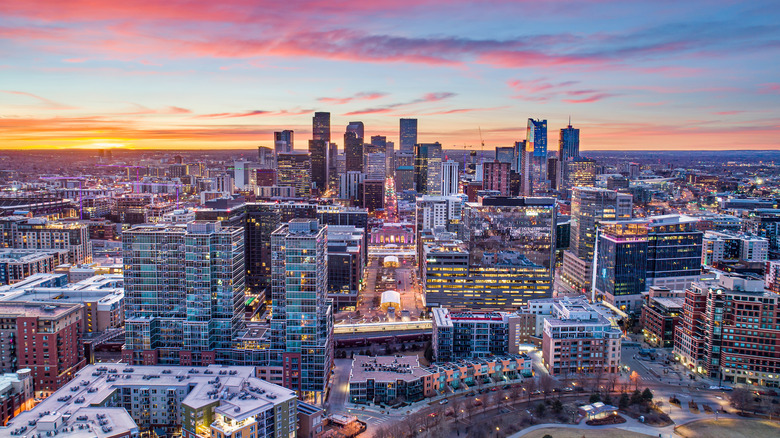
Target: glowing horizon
[[183, 74]]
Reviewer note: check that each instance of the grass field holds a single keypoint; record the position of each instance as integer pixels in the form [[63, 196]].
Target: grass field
[[729, 428], [563, 432]]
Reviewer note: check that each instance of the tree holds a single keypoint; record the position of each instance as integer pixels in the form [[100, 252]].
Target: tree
[[647, 395], [540, 408], [547, 436], [624, 401], [740, 398], [546, 383], [635, 378], [636, 397], [530, 386], [607, 399], [595, 397], [612, 380], [557, 407]]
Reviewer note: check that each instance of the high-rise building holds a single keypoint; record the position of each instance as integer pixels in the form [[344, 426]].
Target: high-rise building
[[320, 129], [390, 158], [553, 172], [427, 168], [379, 142], [283, 142], [569, 144], [404, 178], [408, 135], [294, 170], [505, 155], [184, 292], [578, 173], [495, 176], [320, 166], [449, 178], [589, 206], [373, 194], [349, 185], [261, 219], [333, 166], [302, 318], [39, 233], [374, 165], [621, 263], [765, 223], [353, 149], [438, 211], [534, 166], [358, 129], [674, 251], [346, 247], [266, 157]]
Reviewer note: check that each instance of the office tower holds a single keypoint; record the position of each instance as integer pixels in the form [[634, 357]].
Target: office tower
[[404, 178], [358, 129], [184, 292], [553, 172], [390, 158], [349, 184], [621, 263], [353, 149], [46, 339], [433, 212], [266, 158], [579, 172], [726, 246], [283, 141], [346, 246], [224, 184], [302, 318], [38, 233], [765, 223], [333, 166], [404, 159], [408, 135], [318, 152], [265, 177], [494, 265], [495, 176], [374, 165], [241, 174], [449, 178], [346, 216], [534, 166], [517, 157], [569, 144], [320, 127], [505, 155], [427, 168], [633, 170], [373, 194], [294, 170], [578, 339], [379, 142], [674, 251], [589, 206], [260, 220]]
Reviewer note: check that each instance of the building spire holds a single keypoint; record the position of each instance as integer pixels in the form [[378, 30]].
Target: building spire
[[569, 120]]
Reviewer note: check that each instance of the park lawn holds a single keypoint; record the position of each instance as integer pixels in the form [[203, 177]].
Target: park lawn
[[729, 428], [564, 432]]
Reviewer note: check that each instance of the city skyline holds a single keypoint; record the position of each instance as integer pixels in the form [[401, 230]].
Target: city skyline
[[200, 75]]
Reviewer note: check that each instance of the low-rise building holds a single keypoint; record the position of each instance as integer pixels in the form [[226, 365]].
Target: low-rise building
[[730, 246], [16, 393], [661, 313], [18, 264], [386, 379]]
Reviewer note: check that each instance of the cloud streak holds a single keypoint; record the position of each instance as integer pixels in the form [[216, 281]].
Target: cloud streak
[[47, 103], [426, 98], [357, 97]]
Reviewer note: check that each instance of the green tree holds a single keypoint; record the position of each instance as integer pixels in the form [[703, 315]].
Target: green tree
[[595, 397], [636, 397], [540, 408], [557, 406], [647, 395], [607, 399], [624, 401]]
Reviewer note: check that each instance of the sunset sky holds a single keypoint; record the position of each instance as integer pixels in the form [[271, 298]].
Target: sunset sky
[[227, 73]]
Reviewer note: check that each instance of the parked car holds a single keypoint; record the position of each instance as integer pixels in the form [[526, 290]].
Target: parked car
[[444, 401]]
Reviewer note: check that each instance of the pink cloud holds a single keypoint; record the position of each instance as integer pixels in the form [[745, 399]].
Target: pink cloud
[[50, 104], [232, 115], [590, 99], [426, 98], [358, 96], [771, 87]]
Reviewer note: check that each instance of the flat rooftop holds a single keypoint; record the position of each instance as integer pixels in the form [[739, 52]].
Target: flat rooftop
[[386, 368]]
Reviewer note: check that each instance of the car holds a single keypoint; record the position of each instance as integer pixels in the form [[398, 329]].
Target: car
[[495, 388], [506, 387], [444, 402], [567, 389]]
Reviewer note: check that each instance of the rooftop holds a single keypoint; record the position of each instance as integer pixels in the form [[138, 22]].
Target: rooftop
[[386, 368]]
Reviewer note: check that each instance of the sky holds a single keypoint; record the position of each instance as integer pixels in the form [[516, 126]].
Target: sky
[[190, 74]]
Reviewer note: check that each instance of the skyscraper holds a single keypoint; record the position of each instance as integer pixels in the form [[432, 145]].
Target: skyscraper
[[333, 170], [534, 166], [294, 170], [302, 318], [358, 129], [427, 168], [621, 263], [353, 149], [283, 141], [495, 176], [449, 178], [320, 166], [569, 143], [320, 129], [184, 292], [408, 135], [374, 165]]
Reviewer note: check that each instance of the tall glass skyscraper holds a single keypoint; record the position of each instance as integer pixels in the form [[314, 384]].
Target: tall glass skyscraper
[[320, 166], [427, 168], [283, 141], [353, 149], [302, 319], [534, 159], [358, 129], [408, 135], [320, 129], [569, 143]]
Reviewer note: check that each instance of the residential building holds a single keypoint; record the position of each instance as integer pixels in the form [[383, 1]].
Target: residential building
[[184, 292], [496, 177], [469, 335], [18, 264], [346, 254], [16, 394], [661, 313], [578, 339], [124, 400], [302, 315], [449, 178], [39, 233], [730, 246], [765, 223], [46, 338]]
